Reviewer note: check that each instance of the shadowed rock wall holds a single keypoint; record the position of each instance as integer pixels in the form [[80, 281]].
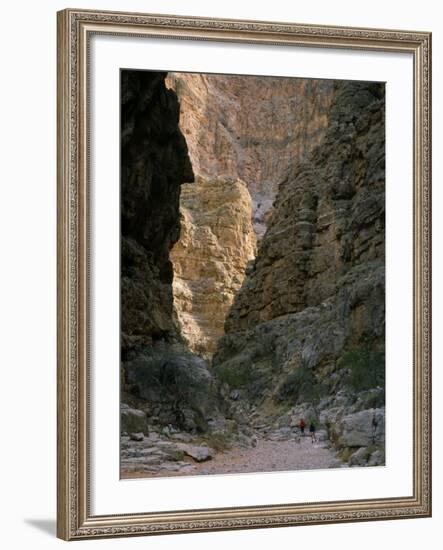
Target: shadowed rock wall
[[154, 164], [163, 383], [308, 325]]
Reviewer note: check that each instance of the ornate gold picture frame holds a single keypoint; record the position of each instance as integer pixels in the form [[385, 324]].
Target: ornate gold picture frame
[[75, 517]]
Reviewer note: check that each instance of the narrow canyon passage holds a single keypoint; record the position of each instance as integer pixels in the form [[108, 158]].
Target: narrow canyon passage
[[243, 134], [252, 274]]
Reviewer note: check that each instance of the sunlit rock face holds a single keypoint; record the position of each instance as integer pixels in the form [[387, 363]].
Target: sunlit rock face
[[216, 243], [251, 128], [243, 133]]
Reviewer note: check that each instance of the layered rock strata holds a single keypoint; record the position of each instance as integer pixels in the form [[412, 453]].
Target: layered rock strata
[[243, 132], [251, 128], [307, 327], [160, 377], [216, 243]]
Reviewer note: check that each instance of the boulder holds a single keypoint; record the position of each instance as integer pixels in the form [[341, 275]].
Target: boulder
[[133, 420], [359, 458], [196, 452], [361, 429]]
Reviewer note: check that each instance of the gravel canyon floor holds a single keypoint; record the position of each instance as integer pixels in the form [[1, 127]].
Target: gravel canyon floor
[[267, 456]]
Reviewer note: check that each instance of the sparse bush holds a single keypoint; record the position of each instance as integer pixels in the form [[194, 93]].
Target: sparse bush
[[366, 369], [235, 376], [219, 441], [179, 378], [200, 421], [301, 385]]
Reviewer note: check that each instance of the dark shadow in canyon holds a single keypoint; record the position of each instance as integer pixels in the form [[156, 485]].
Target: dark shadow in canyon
[[304, 337]]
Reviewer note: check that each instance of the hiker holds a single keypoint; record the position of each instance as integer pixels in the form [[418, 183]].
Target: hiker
[[312, 432], [302, 426]]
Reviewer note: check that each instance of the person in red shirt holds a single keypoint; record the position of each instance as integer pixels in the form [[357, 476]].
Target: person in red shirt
[[302, 426]]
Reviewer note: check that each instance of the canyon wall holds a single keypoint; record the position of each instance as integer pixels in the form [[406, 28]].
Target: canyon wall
[[154, 164], [162, 382], [243, 133], [303, 309], [307, 325], [251, 128], [328, 219], [216, 243]]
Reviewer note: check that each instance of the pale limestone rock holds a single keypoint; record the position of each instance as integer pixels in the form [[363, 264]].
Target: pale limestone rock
[[216, 243], [199, 453], [251, 128]]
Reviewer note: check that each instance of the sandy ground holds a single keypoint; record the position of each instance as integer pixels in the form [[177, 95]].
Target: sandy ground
[[267, 456]]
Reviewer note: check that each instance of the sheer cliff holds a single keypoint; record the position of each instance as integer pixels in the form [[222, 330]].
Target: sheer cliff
[[154, 164], [160, 377], [243, 134], [217, 242], [251, 128], [307, 325]]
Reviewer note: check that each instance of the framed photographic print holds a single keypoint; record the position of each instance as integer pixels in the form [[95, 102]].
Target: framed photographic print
[[243, 274]]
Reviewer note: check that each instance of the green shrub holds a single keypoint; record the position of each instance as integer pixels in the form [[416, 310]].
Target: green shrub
[[366, 369], [235, 376], [220, 441], [345, 454], [301, 385], [170, 376]]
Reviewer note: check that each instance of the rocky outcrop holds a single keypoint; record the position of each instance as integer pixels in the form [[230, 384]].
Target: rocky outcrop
[[216, 243], [251, 128], [327, 231], [361, 429], [154, 164], [304, 333], [173, 386], [199, 453], [162, 382], [133, 420], [243, 132], [309, 319]]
